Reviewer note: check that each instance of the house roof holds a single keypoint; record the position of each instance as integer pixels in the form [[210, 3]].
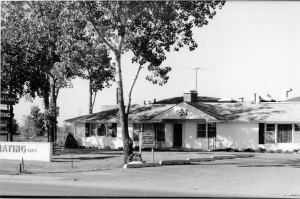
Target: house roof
[[262, 112], [177, 100], [137, 113], [231, 112], [190, 111], [108, 115], [294, 99]]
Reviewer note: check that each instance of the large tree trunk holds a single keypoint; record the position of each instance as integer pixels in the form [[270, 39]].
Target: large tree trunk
[[91, 97], [52, 109], [46, 104], [127, 141], [11, 133]]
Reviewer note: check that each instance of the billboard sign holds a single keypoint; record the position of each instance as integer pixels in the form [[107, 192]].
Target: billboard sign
[[5, 114], [40, 151], [9, 99]]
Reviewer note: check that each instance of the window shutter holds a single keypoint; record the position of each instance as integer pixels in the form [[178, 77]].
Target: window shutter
[[261, 133]]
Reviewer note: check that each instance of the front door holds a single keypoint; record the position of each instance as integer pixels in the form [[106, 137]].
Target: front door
[[177, 132]]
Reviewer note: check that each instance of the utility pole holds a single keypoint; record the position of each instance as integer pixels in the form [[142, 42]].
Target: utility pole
[[197, 76]]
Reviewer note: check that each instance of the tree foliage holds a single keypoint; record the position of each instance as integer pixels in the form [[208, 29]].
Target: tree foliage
[[85, 56], [148, 29], [38, 119], [31, 30]]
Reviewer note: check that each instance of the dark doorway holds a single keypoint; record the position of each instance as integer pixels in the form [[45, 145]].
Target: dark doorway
[[177, 132]]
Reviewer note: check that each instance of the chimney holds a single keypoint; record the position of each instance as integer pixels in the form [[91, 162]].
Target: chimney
[[191, 96], [254, 100], [154, 101]]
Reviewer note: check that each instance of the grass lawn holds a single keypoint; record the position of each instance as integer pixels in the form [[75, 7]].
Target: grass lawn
[[70, 160], [82, 160]]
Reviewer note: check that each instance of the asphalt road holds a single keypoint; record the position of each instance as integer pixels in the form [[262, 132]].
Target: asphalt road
[[52, 189], [249, 178]]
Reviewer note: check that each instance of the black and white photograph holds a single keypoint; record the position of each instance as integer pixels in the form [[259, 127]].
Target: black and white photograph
[[150, 99]]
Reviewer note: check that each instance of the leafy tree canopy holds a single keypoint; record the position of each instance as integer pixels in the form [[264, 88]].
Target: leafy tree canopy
[[149, 29]]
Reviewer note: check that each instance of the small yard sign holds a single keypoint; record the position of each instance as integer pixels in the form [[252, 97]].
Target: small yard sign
[[148, 140]]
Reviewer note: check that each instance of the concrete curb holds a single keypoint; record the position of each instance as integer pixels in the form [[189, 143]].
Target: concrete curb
[[244, 155], [187, 161], [223, 157], [200, 159], [140, 165], [174, 162]]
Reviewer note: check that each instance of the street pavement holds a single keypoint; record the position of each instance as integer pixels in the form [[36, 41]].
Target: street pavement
[[250, 178]]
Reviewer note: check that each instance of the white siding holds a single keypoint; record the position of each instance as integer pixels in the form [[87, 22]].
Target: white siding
[[190, 139], [168, 135], [97, 141], [237, 135]]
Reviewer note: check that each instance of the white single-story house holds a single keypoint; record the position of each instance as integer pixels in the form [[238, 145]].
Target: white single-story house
[[200, 125]]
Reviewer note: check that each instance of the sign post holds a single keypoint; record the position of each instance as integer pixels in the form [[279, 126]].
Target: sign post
[[7, 115], [148, 141]]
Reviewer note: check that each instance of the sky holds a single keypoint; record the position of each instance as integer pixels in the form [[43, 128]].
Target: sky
[[249, 47]]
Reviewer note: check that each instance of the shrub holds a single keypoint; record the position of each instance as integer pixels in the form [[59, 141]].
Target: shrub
[[248, 150], [235, 150], [261, 150], [270, 151], [107, 148], [287, 151], [70, 141], [296, 150], [278, 151]]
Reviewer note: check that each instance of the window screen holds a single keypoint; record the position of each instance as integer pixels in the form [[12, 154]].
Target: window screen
[[212, 130], [270, 133], [111, 130], [201, 132], [87, 130], [284, 134], [160, 132], [93, 129], [101, 130]]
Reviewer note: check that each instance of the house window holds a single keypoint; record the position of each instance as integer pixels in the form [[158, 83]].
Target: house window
[[148, 127], [201, 132], [101, 130], [297, 127], [297, 133], [87, 130], [111, 130], [136, 131], [270, 134], [212, 130], [108, 130], [160, 132], [93, 129], [284, 133]]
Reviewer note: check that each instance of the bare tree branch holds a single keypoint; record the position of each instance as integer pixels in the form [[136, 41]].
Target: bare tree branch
[[131, 88], [95, 94], [101, 35]]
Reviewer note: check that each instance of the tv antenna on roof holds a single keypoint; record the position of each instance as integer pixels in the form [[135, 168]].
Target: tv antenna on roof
[[197, 68]]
